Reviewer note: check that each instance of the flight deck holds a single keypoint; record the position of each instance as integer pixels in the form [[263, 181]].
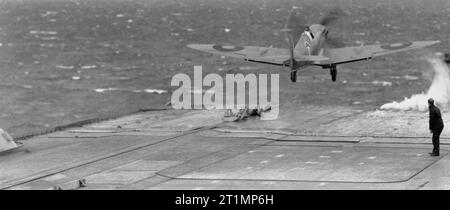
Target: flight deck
[[311, 148]]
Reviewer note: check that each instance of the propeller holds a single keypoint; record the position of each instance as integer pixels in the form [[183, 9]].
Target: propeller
[[293, 30], [332, 16], [295, 23], [293, 62]]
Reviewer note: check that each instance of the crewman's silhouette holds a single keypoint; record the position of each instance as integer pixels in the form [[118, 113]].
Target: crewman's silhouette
[[436, 126]]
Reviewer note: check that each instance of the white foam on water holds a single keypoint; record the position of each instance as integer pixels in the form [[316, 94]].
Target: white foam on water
[[101, 90], [64, 67], [155, 91], [46, 45], [49, 13], [50, 38], [89, 67], [383, 83], [43, 32], [439, 91], [409, 77], [158, 91]]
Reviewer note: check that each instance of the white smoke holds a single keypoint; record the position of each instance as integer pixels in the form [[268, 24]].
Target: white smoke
[[439, 91]]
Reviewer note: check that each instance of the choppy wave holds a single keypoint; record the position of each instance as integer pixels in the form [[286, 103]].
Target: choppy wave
[[158, 91], [36, 32]]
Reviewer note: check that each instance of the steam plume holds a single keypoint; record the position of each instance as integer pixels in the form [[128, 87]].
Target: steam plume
[[439, 91]]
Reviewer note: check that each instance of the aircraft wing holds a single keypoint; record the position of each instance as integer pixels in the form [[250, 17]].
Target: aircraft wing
[[353, 54], [267, 55]]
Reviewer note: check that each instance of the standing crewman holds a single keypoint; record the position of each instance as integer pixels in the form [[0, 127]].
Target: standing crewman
[[436, 126]]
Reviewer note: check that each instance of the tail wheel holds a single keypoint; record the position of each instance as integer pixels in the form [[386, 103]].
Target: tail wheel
[[294, 76], [333, 72]]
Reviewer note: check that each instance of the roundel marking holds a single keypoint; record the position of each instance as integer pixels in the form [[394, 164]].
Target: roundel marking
[[396, 46], [227, 48]]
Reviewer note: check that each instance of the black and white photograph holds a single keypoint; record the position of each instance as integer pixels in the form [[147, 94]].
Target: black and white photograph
[[206, 95]]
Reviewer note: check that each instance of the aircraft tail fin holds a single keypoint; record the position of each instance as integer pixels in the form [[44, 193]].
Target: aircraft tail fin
[[302, 47]]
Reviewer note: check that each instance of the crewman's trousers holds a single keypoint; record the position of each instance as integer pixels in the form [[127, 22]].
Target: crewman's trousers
[[435, 140]]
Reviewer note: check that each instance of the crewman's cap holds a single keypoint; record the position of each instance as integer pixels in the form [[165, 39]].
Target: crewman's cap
[[430, 101]]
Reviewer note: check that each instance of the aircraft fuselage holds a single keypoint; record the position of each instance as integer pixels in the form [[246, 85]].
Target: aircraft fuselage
[[311, 44]]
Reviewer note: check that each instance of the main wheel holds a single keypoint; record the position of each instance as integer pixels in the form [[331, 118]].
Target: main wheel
[[293, 76], [333, 72]]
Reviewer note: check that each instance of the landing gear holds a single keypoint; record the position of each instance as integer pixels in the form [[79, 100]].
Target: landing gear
[[294, 75], [333, 72]]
